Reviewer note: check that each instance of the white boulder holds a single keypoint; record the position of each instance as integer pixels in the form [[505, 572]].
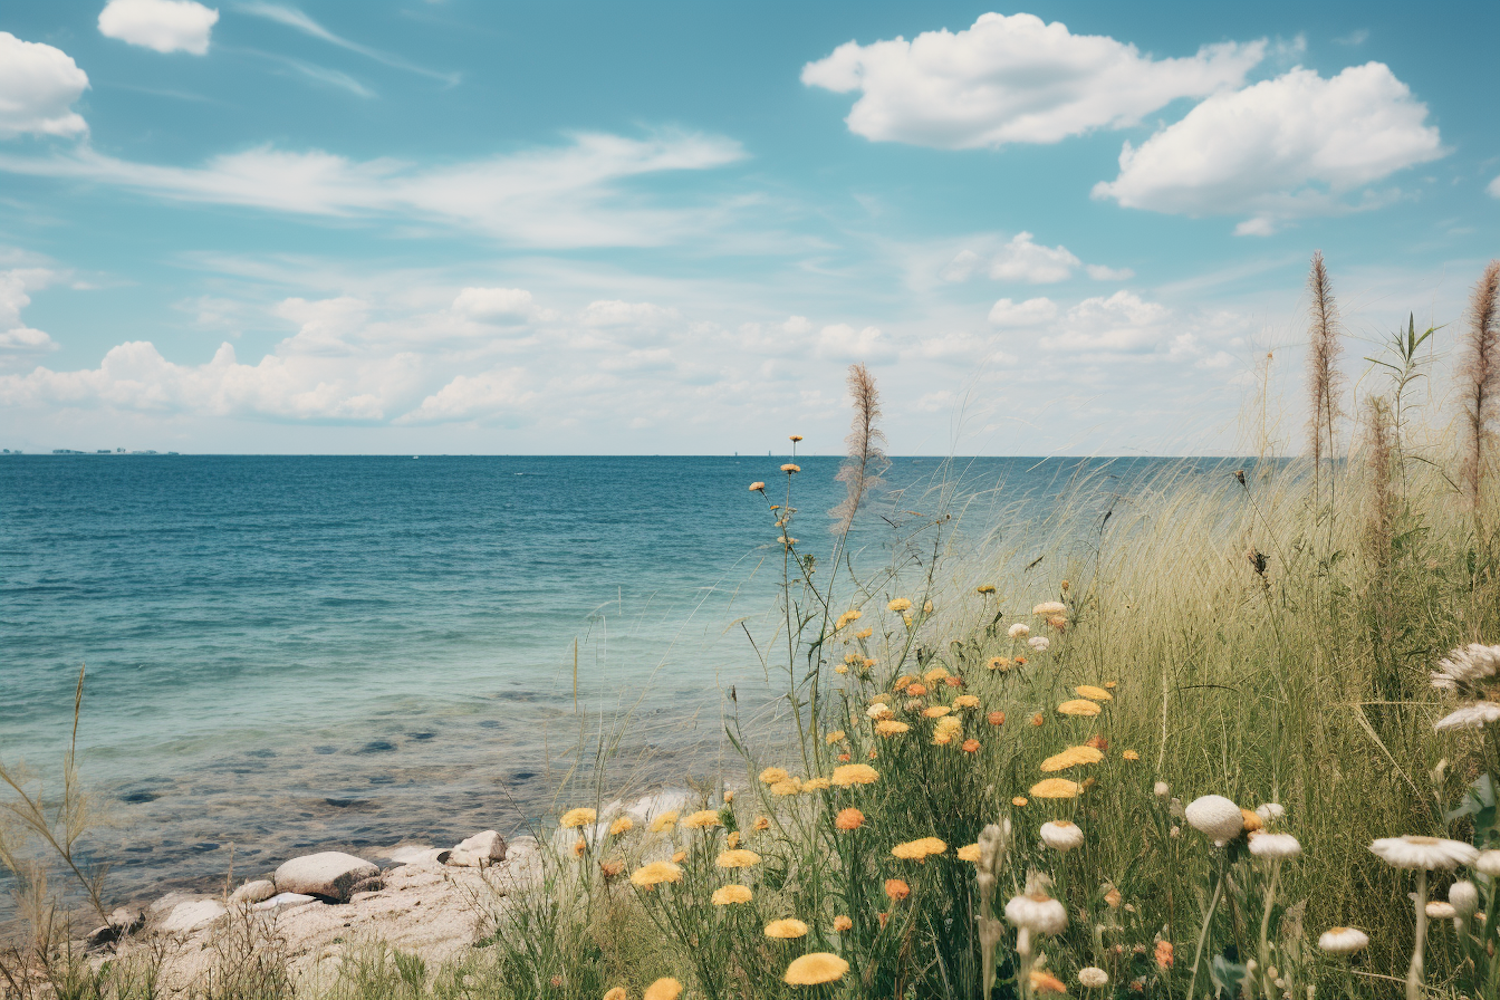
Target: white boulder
[[253, 892], [479, 851], [188, 917], [330, 874]]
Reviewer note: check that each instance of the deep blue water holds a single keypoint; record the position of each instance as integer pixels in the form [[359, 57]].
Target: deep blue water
[[295, 652]]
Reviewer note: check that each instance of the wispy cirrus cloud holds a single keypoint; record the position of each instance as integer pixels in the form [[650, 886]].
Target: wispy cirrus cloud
[[296, 19], [552, 197]]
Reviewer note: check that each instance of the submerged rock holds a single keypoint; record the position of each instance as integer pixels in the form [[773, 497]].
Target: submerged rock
[[330, 874], [479, 851]]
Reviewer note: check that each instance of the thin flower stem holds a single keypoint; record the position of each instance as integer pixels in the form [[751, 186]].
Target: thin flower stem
[[1265, 930], [1414, 974], [1208, 919]]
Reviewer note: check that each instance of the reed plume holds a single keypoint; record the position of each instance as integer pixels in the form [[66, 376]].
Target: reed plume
[[1323, 378], [1382, 513], [861, 471], [1480, 377]]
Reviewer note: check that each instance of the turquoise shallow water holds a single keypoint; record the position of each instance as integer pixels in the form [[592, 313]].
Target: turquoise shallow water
[[295, 652]]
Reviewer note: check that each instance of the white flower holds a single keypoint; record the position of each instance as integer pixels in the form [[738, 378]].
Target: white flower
[[1275, 846], [1061, 835], [1343, 940], [1092, 977], [1489, 863], [1464, 898], [1161, 790], [1424, 852], [1037, 913], [1019, 631], [1439, 910], [1057, 608], [1471, 716], [1216, 816], [1466, 667], [1269, 812], [879, 710], [1039, 643]]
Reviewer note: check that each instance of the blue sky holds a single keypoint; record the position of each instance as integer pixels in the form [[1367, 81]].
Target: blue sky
[[454, 226]]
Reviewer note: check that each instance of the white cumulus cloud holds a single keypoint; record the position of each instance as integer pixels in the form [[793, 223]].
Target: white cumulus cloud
[[1494, 188], [38, 85], [163, 25], [19, 342], [615, 312], [841, 342], [1290, 146], [1014, 79], [474, 397], [1022, 259], [495, 305], [1029, 313]]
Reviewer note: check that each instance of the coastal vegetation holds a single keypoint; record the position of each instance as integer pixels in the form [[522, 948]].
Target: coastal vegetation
[[1230, 734]]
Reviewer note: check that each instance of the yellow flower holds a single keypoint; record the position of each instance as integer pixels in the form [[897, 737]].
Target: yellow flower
[[733, 840], [703, 818], [1093, 693], [852, 615], [834, 737], [968, 852], [1131, 755], [1072, 757], [761, 823], [790, 927], [771, 775], [936, 674], [815, 784], [1001, 663], [757, 486], [663, 821], [791, 468], [1079, 707], [889, 727], [1056, 788], [936, 711], [841, 669], [618, 993], [899, 604], [815, 967], [847, 775], [656, 873], [966, 701], [728, 796], [1019, 801], [663, 989], [918, 850], [1111, 684], [984, 588], [621, 825], [677, 858], [790, 786], [731, 894], [577, 817], [842, 923], [864, 633], [738, 858]]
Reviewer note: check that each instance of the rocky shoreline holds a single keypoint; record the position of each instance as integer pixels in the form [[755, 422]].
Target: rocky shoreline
[[433, 902]]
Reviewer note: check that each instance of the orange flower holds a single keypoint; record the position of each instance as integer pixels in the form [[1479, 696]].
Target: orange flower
[[1045, 982], [761, 823], [995, 718], [1019, 801], [873, 753], [677, 858], [1038, 719], [896, 889], [611, 869], [849, 819], [1097, 742], [966, 701], [844, 758], [1164, 954], [916, 690], [954, 682], [971, 746], [1020, 661], [842, 923], [882, 917], [580, 847]]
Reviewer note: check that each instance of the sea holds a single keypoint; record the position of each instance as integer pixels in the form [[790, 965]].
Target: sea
[[287, 654]]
